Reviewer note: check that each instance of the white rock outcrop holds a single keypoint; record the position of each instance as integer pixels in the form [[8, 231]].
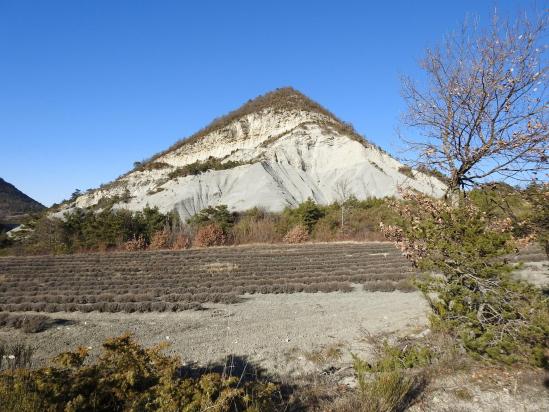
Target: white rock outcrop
[[287, 155]]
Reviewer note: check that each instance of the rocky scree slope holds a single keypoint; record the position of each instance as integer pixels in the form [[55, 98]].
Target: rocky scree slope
[[275, 151]]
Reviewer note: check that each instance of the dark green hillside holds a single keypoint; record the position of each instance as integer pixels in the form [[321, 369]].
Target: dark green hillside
[[14, 204]]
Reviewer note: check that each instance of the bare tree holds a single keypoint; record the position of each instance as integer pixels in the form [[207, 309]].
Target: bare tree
[[483, 110], [343, 193]]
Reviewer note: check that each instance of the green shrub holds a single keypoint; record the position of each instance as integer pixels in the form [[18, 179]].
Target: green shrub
[[218, 215], [386, 392], [527, 208], [127, 377], [394, 357], [108, 202], [48, 236], [537, 222], [467, 282], [307, 214], [199, 167]]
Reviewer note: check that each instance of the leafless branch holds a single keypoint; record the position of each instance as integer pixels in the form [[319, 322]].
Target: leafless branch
[[483, 111]]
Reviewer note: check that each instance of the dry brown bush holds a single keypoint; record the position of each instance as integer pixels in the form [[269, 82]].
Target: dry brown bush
[[210, 235], [159, 306], [160, 240], [101, 247], [360, 229], [298, 234], [327, 287], [170, 238], [181, 241], [13, 356], [134, 244]]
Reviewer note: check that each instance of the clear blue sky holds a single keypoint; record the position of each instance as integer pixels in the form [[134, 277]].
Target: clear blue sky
[[89, 87]]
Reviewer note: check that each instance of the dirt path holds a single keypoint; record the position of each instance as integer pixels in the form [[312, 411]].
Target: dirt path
[[263, 328]]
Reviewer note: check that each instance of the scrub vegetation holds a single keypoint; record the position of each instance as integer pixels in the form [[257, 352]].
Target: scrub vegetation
[[127, 377], [199, 167], [110, 229]]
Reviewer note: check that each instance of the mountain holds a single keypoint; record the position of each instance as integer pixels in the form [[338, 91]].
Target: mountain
[[275, 151], [14, 204]]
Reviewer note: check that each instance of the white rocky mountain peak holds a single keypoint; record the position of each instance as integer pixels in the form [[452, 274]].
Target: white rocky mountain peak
[[275, 151]]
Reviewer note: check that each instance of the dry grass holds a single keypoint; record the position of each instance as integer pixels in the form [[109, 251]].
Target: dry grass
[[15, 355], [250, 231], [329, 353]]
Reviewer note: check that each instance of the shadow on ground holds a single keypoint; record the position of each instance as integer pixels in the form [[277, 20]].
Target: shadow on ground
[[242, 368]]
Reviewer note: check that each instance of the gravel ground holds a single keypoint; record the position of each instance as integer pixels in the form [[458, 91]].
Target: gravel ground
[[277, 332], [263, 328], [536, 273]]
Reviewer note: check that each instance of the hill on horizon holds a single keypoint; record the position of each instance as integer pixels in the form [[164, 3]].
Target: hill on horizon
[[14, 204], [276, 150]]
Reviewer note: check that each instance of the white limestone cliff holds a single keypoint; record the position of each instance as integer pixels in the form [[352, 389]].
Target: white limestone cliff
[[287, 152]]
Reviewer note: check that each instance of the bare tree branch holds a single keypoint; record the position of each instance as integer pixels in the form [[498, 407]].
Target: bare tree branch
[[483, 111]]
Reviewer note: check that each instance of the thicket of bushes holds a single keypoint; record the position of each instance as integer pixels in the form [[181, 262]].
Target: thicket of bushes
[[129, 377], [87, 230], [110, 229], [351, 220]]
